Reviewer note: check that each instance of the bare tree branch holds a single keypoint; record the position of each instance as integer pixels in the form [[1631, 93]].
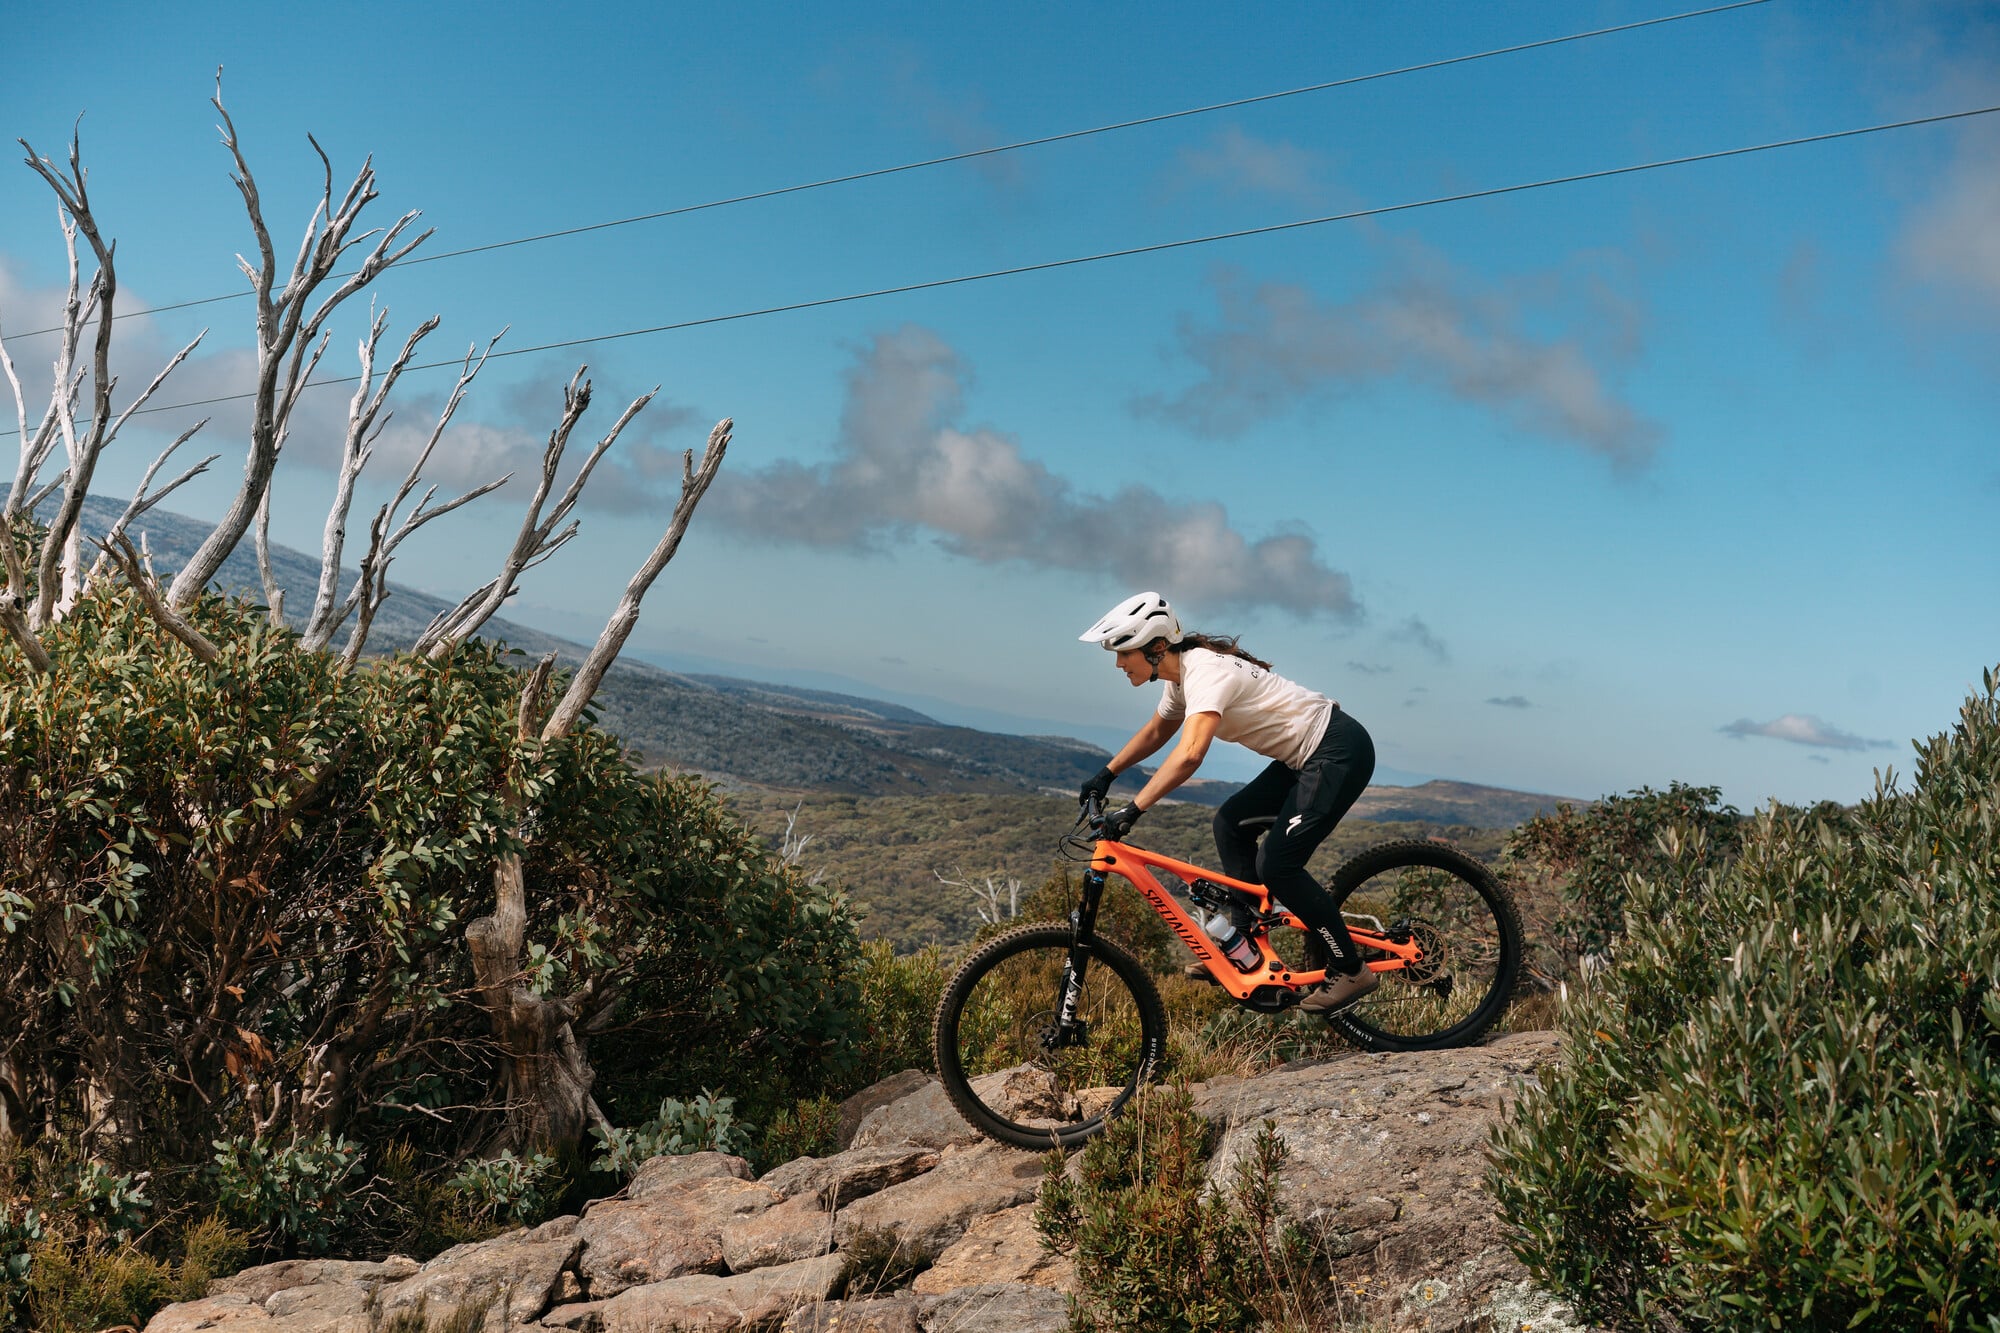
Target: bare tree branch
[[148, 591], [694, 484], [364, 424], [59, 576], [285, 331], [371, 588], [533, 540], [142, 501]]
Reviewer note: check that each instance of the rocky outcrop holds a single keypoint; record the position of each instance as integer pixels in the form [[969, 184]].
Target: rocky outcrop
[[1387, 1153]]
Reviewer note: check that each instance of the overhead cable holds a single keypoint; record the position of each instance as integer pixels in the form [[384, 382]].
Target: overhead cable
[[970, 155], [1154, 248]]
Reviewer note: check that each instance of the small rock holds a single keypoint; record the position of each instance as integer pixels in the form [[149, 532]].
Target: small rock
[[705, 1304], [924, 1118], [996, 1307], [798, 1228], [847, 1176], [662, 1172], [1000, 1247], [881, 1314]]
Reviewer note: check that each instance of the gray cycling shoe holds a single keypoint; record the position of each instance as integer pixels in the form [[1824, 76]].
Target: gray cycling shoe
[[1338, 991], [1199, 972]]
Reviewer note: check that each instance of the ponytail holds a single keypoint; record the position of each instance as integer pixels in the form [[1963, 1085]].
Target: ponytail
[[1217, 643]]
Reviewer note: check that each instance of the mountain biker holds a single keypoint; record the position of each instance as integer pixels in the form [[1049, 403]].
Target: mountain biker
[[1321, 760]]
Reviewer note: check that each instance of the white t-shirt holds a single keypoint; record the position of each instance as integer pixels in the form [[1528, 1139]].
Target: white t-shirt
[[1260, 709]]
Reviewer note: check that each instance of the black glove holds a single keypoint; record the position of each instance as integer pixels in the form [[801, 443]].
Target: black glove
[[1098, 787], [1120, 821]]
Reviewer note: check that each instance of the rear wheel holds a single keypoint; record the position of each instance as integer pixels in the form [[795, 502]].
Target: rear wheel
[[1010, 1068], [1464, 921]]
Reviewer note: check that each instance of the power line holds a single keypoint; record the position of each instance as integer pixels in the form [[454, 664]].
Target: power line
[[1155, 248], [877, 172]]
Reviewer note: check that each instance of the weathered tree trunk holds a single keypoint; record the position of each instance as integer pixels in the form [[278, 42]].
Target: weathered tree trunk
[[547, 1075], [548, 1081]]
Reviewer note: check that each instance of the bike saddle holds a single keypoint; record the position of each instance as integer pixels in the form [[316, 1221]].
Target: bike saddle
[[1256, 822]]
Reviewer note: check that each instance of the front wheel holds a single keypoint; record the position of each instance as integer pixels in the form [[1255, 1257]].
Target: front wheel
[[1466, 924], [1019, 1076]]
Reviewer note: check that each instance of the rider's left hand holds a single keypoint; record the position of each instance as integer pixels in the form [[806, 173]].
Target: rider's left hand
[[1119, 822]]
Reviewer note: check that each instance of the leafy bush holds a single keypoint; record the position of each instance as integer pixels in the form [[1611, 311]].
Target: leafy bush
[[706, 1123], [517, 1191], [113, 1205], [20, 1229], [1156, 1251], [1777, 1108], [810, 1128], [297, 1192], [899, 996], [233, 905], [1570, 868]]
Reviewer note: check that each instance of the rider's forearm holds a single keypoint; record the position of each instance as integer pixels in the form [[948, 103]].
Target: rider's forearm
[[1145, 743], [1179, 767]]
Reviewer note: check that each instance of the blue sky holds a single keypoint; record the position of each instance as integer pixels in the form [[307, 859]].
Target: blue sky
[[1687, 474]]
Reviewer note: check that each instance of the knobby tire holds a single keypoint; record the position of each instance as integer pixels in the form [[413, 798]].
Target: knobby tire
[[990, 1020]]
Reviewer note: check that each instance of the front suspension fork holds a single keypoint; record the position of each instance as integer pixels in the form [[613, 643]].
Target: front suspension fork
[[1069, 1029]]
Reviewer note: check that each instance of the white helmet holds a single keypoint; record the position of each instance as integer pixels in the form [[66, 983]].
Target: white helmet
[[1135, 622]]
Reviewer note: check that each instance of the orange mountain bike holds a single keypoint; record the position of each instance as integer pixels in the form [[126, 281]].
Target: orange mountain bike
[[1049, 1029]]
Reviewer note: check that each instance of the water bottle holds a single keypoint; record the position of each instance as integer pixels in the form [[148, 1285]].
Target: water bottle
[[1235, 945]]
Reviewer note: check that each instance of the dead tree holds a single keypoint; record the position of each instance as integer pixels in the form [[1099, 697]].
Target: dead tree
[[61, 575], [59, 579], [547, 1069], [290, 320]]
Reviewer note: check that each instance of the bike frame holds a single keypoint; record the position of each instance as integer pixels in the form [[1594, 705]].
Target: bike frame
[[1130, 863]]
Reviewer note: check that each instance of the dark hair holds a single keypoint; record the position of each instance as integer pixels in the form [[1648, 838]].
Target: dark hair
[[1217, 643]]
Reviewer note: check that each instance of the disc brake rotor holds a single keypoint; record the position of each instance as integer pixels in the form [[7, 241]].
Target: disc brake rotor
[[1434, 960]]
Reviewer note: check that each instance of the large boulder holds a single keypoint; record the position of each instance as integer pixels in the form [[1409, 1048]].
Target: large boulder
[[670, 1229], [876, 1095], [929, 1213], [512, 1278], [1387, 1156]]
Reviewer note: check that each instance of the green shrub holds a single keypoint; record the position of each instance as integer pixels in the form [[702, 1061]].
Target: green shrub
[[809, 1128], [1570, 868], [294, 1193], [706, 1123], [899, 996], [1778, 1107], [1156, 1251], [516, 1191]]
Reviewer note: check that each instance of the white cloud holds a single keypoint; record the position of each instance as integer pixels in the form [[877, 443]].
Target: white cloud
[[1803, 729], [905, 466], [1511, 701], [1240, 163], [1952, 240], [1278, 345]]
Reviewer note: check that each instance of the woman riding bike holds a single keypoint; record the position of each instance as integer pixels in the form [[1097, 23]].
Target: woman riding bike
[[1321, 760]]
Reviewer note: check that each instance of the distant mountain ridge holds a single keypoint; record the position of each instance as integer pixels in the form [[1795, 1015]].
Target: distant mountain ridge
[[753, 733]]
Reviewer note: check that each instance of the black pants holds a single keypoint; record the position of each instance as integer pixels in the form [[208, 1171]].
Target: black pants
[[1308, 802]]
